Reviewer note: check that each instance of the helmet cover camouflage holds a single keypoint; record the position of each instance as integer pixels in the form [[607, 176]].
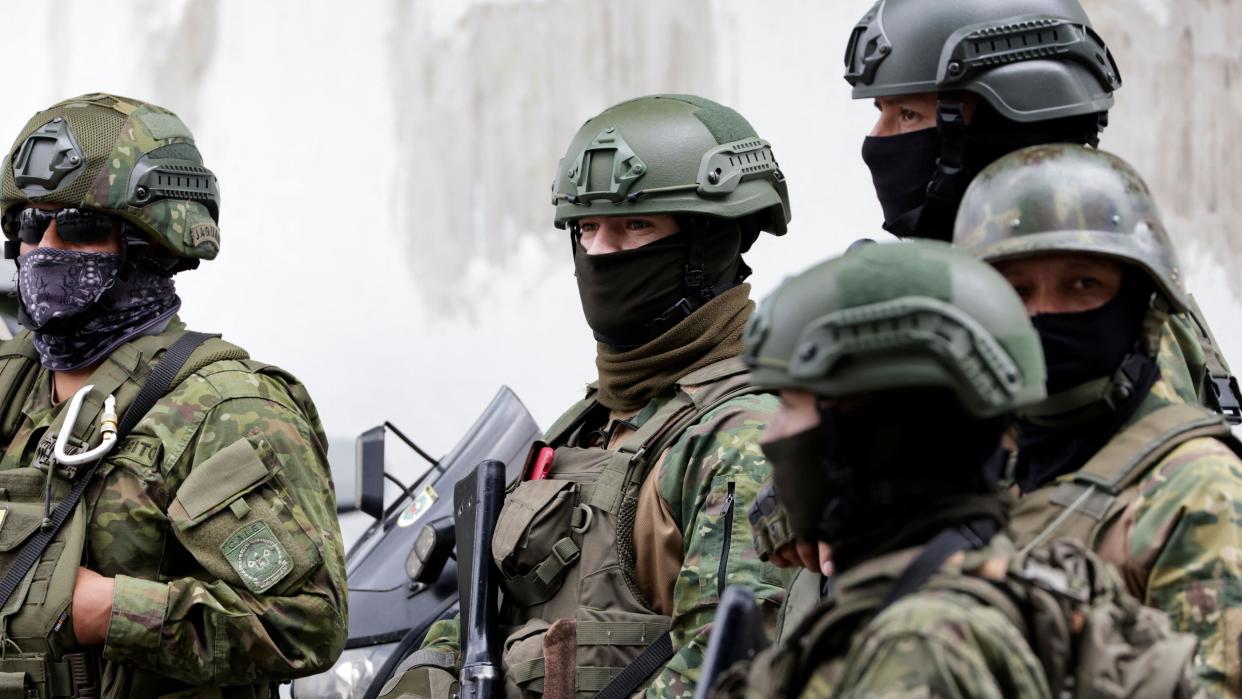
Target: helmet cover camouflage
[[916, 314], [670, 154], [1068, 198], [120, 156], [1032, 60]]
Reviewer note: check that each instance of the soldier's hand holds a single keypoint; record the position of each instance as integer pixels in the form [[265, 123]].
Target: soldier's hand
[[92, 607], [813, 557]]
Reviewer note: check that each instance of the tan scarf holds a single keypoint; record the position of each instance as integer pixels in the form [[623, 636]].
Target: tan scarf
[[628, 380]]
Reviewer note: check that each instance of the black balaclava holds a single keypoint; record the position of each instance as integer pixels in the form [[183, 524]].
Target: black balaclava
[[1079, 348], [905, 166], [633, 296], [860, 478]]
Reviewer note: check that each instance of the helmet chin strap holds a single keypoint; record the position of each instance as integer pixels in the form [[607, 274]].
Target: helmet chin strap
[[951, 178]]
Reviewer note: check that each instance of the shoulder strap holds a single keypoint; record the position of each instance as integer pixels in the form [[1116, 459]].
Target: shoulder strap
[[967, 535], [155, 387], [1094, 488], [632, 460]]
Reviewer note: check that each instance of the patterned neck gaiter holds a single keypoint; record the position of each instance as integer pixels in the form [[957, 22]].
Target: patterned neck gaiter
[[80, 308]]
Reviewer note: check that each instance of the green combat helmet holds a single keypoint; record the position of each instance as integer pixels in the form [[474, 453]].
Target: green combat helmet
[[123, 157], [917, 315], [1067, 198], [670, 154], [883, 317]]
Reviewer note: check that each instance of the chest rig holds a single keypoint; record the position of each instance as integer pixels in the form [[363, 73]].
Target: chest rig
[[565, 544], [39, 657], [1084, 505]]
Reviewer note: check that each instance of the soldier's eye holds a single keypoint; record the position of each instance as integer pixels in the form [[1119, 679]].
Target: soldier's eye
[[637, 224], [910, 116]]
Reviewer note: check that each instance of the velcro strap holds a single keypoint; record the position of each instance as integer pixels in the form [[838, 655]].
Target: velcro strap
[[619, 633], [541, 582]]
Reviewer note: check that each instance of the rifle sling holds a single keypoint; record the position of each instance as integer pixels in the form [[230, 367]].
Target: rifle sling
[[968, 535], [651, 659], [154, 388]]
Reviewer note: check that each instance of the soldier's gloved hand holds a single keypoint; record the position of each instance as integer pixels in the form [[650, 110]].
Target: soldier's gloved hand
[[775, 540]]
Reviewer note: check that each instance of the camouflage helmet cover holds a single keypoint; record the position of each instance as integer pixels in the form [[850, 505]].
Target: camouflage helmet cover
[[670, 154], [120, 156], [1068, 198], [1032, 60], [916, 314]]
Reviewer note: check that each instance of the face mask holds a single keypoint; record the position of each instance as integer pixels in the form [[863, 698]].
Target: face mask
[[57, 286], [901, 168], [1080, 347], [624, 294], [852, 472], [80, 309]]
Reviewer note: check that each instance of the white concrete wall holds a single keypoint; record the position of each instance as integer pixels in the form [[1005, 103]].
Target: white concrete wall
[[385, 165]]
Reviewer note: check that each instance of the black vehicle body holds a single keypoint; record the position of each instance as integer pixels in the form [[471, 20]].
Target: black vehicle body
[[389, 613]]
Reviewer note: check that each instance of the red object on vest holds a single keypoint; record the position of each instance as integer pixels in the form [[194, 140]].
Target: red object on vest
[[539, 462]]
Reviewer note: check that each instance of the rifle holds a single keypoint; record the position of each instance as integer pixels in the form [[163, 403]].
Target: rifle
[[737, 634], [477, 500]]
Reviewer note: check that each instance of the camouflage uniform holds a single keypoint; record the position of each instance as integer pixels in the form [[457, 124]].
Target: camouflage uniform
[[184, 615], [933, 643], [1169, 515], [716, 456], [215, 515]]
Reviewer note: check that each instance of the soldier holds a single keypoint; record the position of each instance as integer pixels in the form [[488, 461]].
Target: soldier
[[624, 546], [899, 367], [1120, 456], [194, 547]]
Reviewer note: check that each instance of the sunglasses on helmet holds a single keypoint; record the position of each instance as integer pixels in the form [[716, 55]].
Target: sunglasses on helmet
[[72, 225]]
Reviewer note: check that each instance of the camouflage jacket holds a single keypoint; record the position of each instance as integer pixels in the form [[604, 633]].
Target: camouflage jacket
[[930, 643], [716, 457], [1177, 544], [216, 518]]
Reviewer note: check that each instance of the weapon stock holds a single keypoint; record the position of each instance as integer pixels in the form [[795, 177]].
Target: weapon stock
[[477, 500], [737, 634]]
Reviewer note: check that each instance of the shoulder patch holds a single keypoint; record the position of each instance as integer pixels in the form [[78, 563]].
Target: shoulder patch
[[257, 556]]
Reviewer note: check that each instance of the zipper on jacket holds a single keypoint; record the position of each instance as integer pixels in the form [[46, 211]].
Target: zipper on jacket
[[727, 514]]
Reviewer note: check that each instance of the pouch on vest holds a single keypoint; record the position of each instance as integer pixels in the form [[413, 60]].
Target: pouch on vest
[[34, 622], [1093, 639], [537, 538], [233, 514]]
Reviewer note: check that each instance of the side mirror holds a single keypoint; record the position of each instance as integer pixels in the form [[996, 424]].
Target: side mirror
[[369, 472], [431, 551]]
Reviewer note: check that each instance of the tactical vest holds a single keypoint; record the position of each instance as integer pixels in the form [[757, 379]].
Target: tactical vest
[[40, 658], [1120, 642], [1082, 506], [564, 544]]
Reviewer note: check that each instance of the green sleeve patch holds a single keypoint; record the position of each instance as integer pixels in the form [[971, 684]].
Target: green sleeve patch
[[257, 556]]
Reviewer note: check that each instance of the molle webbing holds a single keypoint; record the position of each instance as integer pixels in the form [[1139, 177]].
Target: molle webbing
[[529, 674], [633, 459], [1091, 493], [19, 365]]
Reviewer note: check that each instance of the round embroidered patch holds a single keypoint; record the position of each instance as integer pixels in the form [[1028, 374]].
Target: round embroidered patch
[[257, 556]]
